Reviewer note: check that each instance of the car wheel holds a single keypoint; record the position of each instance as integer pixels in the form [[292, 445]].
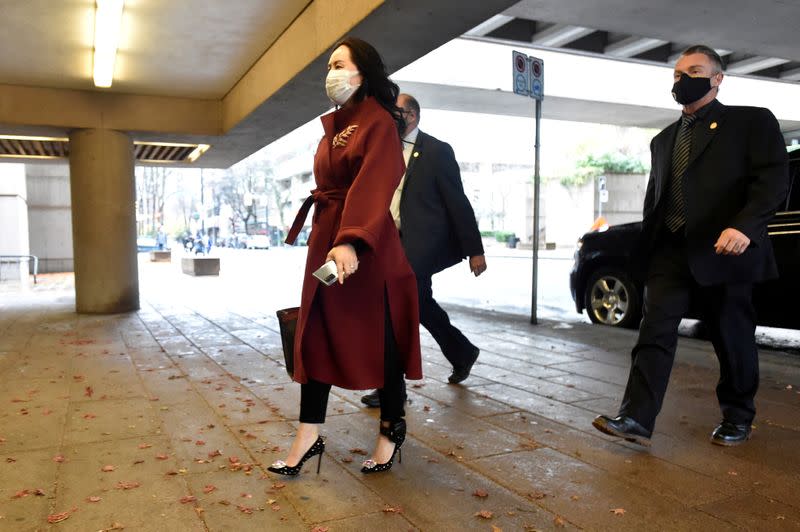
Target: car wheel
[[612, 299]]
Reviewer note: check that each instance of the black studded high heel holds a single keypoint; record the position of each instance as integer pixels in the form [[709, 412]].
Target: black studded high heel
[[281, 468], [396, 432]]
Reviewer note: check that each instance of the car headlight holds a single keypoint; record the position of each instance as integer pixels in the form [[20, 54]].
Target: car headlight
[[576, 255]]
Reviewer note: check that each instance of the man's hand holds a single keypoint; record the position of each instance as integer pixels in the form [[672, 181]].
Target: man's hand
[[346, 260], [477, 264], [731, 242]]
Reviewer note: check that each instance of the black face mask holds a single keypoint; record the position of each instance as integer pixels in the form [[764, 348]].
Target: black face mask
[[688, 90]]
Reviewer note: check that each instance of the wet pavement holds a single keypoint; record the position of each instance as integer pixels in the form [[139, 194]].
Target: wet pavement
[[166, 419]]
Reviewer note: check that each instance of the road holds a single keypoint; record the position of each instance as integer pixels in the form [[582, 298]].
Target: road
[[271, 279], [276, 274]]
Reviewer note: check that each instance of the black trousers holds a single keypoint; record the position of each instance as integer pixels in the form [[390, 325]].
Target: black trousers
[[314, 394], [728, 314], [457, 349]]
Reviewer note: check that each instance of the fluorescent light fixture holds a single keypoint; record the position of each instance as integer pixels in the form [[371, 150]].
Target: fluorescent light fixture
[[198, 151], [40, 139], [107, 25]]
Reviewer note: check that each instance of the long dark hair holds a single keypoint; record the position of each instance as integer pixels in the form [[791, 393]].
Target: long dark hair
[[376, 82]]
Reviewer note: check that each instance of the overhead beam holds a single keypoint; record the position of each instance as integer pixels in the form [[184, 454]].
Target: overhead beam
[[560, 34], [632, 46], [66, 108], [326, 20], [791, 75], [485, 28], [754, 64]]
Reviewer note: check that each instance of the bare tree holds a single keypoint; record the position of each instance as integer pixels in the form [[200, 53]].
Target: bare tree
[[150, 186]]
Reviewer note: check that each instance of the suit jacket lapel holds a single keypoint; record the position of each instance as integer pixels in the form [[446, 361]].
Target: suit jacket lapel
[[704, 132], [415, 152]]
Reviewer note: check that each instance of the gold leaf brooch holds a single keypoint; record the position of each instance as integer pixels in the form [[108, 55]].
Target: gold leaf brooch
[[340, 140]]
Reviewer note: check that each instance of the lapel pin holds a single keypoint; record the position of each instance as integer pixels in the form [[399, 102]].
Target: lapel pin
[[416, 154], [713, 125]]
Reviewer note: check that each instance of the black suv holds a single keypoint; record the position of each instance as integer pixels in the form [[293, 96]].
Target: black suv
[[602, 283]]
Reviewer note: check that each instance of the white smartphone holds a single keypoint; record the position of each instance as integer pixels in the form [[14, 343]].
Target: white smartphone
[[327, 273]]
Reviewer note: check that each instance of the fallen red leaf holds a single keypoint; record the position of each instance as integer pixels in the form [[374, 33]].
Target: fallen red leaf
[[480, 493], [199, 443], [278, 485], [108, 469], [357, 450], [58, 458], [320, 529], [209, 488], [93, 499], [127, 485], [21, 494], [39, 492], [57, 518], [11, 460], [246, 496], [244, 509], [214, 454], [485, 514], [144, 446], [162, 457], [89, 416], [188, 498], [89, 391], [234, 459]]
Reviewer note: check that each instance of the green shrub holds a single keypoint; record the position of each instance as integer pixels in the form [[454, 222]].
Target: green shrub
[[590, 167], [502, 236]]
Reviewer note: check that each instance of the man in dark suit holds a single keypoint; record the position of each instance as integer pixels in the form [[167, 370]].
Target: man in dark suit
[[718, 175], [438, 230]]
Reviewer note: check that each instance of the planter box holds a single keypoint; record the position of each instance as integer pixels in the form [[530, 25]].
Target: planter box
[[160, 256], [200, 266]]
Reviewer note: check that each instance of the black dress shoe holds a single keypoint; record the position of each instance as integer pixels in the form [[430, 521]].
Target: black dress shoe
[[461, 374], [372, 399], [729, 434], [623, 427]]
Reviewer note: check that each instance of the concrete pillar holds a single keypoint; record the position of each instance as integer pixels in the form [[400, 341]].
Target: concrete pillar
[[13, 221], [103, 191]]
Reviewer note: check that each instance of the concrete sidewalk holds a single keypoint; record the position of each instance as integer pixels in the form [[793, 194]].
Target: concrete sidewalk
[[166, 419]]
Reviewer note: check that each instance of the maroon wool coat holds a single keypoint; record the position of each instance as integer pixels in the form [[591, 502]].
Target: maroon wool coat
[[340, 328]]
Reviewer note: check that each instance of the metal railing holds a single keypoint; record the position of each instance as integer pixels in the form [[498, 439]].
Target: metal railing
[[19, 258]]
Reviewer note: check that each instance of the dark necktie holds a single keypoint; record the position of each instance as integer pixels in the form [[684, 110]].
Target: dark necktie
[[676, 214]]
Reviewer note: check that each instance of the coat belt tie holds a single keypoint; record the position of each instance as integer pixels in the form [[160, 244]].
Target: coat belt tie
[[321, 198]]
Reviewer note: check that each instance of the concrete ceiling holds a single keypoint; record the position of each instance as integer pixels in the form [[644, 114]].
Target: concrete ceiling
[[757, 38], [239, 74], [184, 48], [235, 74]]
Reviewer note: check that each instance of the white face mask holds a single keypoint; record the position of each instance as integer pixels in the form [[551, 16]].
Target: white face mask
[[338, 86]]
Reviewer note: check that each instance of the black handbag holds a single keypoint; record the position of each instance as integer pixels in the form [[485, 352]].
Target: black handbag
[[287, 321]]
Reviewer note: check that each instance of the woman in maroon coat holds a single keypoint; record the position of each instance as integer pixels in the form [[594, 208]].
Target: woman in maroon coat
[[362, 332]]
